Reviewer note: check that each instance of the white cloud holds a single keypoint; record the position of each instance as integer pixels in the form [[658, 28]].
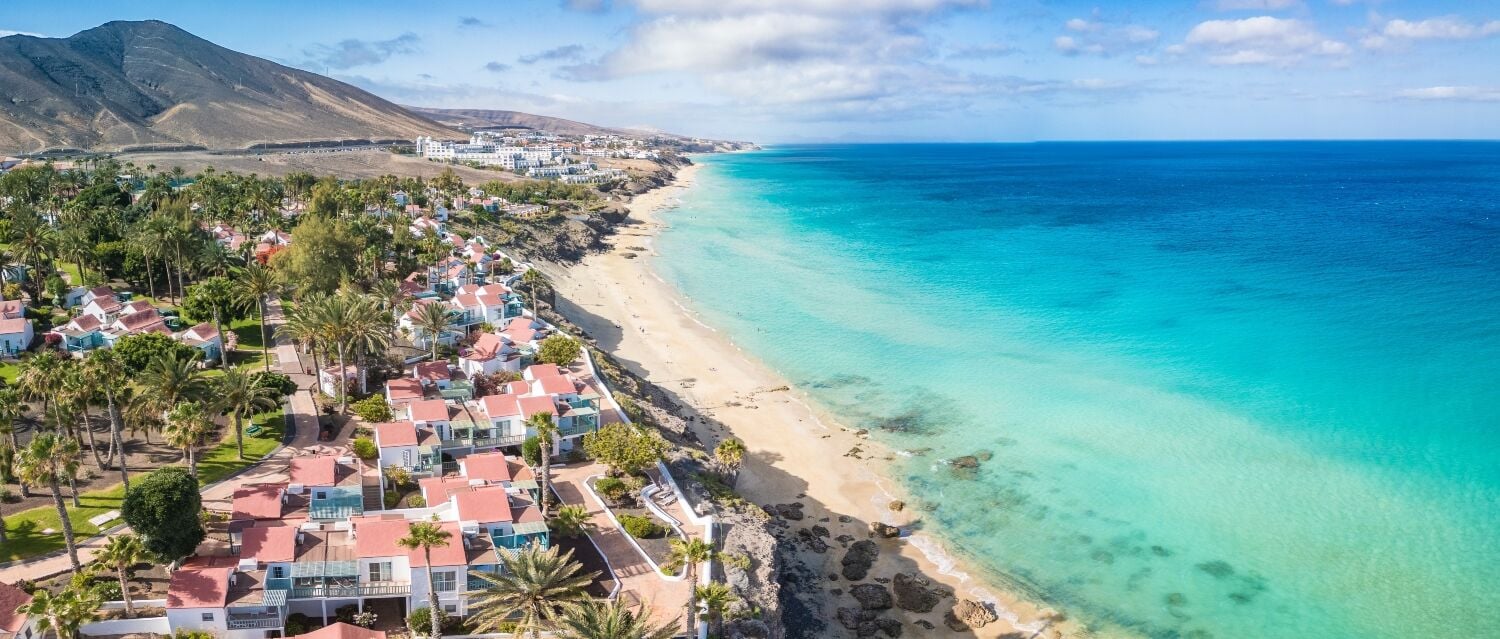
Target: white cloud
[[1399, 32], [1454, 93], [1102, 38], [1262, 40]]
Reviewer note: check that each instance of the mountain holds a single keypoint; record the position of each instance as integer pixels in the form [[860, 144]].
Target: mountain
[[135, 84], [489, 118]]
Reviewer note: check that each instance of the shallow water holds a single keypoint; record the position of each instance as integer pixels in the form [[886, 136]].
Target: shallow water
[[1230, 389]]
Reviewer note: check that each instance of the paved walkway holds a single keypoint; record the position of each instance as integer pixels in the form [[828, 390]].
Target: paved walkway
[[304, 414], [638, 582]]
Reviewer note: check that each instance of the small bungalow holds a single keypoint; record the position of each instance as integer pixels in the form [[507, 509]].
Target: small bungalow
[[204, 337]]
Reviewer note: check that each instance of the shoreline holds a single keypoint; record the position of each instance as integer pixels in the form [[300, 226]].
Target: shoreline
[[810, 458]]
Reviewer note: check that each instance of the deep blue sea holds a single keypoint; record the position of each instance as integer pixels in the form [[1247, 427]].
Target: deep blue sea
[[1232, 390]]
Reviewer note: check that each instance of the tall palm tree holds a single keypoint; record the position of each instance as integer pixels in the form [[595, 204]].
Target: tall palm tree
[[77, 393], [39, 378], [715, 599], [237, 394], [169, 380], [610, 620], [303, 326], [428, 535], [187, 425], [434, 318], [10, 411], [120, 553], [545, 428], [105, 370], [368, 332], [42, 465], [33, 243], [260, 283], [690, 553], [730, 453], [529, 590], [152, 235], [534, 279]]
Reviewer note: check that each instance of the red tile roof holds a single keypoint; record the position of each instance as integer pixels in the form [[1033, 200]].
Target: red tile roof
[[438, 489], [557, 385], [404, 388], [12, 307], [200, 583], [86, 323], [433, 371], [140, 321], [320, 470], [256, 501], [429, 410], [496, 406], [9, 326], [392, 434], [269, 544], [538, 371], [102, 291], [341, 630], [490, 467], [378, 538], [484, 505], [486, 347], [518, 387], [11, 598], [205, 331], [535, 405]]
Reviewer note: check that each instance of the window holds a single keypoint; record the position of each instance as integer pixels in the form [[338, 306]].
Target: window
[[278, 572], [380, 571], [320, 495], [444, 581], [208, 616], [406, 457], [451, 609]]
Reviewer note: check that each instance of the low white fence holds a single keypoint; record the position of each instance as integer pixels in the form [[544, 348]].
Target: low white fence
[[147, 625], [135, 603]]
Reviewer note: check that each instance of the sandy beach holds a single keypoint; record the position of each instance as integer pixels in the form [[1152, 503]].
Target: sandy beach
[[797, 454]]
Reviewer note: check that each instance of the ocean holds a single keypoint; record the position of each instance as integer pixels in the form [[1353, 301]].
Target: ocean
[[1222, 389]]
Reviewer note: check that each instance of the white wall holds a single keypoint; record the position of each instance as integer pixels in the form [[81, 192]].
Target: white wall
[[144, 625]]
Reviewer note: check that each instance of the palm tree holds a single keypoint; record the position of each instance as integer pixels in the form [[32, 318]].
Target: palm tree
[[367, 331], [33, 243], [730, 453], [78, 391], [237, 394], [610, 620], [545, 428], [533, 278], [302, 326], [434, 318], [260, 283], [64, 612], [187, 424], [690, 553], [120, 553], [570, 521], [39, 378], [41, 465], [715, 599], [104, 370], [169, 380], [428, 535], [529, 589], [152, 236], [10, 411]]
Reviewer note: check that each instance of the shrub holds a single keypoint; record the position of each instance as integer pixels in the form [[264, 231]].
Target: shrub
[[641, 527], [416, 501], [280, 384], [296, 624], [365, 448], [611, 488], [365, 619], [398, 476], [624, 448], [531, 451], [420, 621], [163, 508], [189, 633], [372, 409], [392, 498], [559, 349], [346, 613]]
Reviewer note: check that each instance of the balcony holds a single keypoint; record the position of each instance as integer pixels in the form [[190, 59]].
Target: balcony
[[579, 426], [254, 621], [503, 440], [372, 589]]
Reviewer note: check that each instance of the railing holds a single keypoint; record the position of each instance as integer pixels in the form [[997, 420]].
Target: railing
[[576, 428], [283, 583], [503, 440], [455, 443], [476, 583], [254, 621], [518, 542], [341, 507], [376, 589]]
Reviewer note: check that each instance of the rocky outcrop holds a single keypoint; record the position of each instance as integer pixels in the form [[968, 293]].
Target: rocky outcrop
[[915, 593], [867, 623], [884, 530], [871, 596], [967, 615], [858, 560]]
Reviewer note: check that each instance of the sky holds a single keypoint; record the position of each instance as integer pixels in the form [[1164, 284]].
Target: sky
[[887, 70]]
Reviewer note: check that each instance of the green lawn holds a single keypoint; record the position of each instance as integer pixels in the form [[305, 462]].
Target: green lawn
[[74, 277], [9, 371], [23, 530]]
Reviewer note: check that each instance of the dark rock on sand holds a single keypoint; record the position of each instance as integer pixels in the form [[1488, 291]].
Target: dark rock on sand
[[913, 593], [857, 561], [871, 596]]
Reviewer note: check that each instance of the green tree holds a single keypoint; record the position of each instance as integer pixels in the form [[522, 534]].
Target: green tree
[[624, 448], [545, 430], [730, 453], [571, 520], [186, 427], [433, 319], [322, 253], [559, 349], [11, 409], [259, 284], [426, 536], [690, 553], [531, 587], [169, 381], [43, 464], [715, 598], [120, 553], [138, 351], [64, 612], [237, 394], [106, 369], [610, 620], [219, 301], [163, 508]]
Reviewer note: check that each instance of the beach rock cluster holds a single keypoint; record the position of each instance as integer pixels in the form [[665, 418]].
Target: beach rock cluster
[[867, 623], [858, 559], [915, 593], [884, 530], [968, 614]]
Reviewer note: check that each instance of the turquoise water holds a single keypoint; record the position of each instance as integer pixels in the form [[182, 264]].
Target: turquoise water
[[1231, 389]]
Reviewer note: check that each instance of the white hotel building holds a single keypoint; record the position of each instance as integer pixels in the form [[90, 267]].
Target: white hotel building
[[485, 150]]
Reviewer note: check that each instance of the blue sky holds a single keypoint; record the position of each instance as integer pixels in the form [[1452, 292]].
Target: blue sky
[[864, 70]]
